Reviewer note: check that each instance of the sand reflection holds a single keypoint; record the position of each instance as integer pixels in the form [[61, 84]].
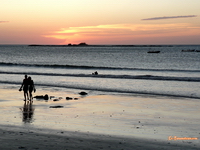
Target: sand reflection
[[27, 112]]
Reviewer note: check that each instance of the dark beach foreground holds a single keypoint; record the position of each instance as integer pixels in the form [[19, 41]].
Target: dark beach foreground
[[13, 138], [108, 121]]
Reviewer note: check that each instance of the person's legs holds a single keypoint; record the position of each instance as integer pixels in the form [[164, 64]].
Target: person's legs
[[30, 95], [25, 94]]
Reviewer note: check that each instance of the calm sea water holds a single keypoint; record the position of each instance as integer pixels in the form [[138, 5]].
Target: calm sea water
[[122, 69]]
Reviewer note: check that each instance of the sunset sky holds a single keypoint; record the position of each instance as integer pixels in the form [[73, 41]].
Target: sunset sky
[[100, 21]]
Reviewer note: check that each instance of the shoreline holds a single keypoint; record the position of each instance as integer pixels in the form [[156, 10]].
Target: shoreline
[[107, 121]]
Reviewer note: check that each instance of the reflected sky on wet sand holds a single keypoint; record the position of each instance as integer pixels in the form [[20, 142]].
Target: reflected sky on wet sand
[[126, 115]]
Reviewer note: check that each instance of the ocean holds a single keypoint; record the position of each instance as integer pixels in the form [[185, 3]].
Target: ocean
[[121, 69]]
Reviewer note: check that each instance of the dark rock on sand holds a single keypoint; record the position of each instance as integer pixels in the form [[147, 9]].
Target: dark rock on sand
[[39, 97], [56, 106], [21, 147], [52, 97], [83, 93], [56, 100], [46, 97], [69, 98]]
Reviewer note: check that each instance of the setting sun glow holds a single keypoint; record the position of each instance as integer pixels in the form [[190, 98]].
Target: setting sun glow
[[100, 22]]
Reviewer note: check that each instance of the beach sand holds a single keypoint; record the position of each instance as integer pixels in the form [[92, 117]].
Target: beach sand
[[97, 121]]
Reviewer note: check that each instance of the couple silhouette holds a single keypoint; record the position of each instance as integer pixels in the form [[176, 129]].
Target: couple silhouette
[[28, 87]]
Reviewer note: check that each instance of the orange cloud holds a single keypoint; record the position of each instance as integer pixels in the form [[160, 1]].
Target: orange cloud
[[122, 32], [4, 21]]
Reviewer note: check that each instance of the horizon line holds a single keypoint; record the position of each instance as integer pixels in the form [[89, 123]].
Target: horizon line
[[76, 45]]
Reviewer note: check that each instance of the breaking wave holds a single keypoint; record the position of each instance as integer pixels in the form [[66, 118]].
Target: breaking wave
[[90, 67], [142, 77]]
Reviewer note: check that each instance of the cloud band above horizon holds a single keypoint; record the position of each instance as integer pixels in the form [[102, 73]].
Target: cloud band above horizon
[[170, 17], [4, 21], [121, 31]]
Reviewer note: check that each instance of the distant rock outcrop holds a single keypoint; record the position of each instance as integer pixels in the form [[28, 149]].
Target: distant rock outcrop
[[82, 44]]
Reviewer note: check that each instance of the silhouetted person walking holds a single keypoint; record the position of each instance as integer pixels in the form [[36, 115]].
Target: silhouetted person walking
[[31, 87], [24, 85]]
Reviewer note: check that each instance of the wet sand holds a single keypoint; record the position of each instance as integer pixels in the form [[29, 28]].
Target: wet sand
[[106, 121]]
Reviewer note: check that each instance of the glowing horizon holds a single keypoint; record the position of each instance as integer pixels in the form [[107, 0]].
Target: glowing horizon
[[91, 33], [100, 22]]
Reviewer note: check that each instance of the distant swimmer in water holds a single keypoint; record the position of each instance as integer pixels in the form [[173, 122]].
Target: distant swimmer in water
[[31, 87], [95, 73], [24, 85]]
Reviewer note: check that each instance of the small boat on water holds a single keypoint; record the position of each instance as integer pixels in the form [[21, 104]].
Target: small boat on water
[[197, 51], [153, 52], [188, 50]]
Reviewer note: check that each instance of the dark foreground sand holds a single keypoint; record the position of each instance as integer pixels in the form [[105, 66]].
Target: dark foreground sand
[[13, 138], [105, 122]]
